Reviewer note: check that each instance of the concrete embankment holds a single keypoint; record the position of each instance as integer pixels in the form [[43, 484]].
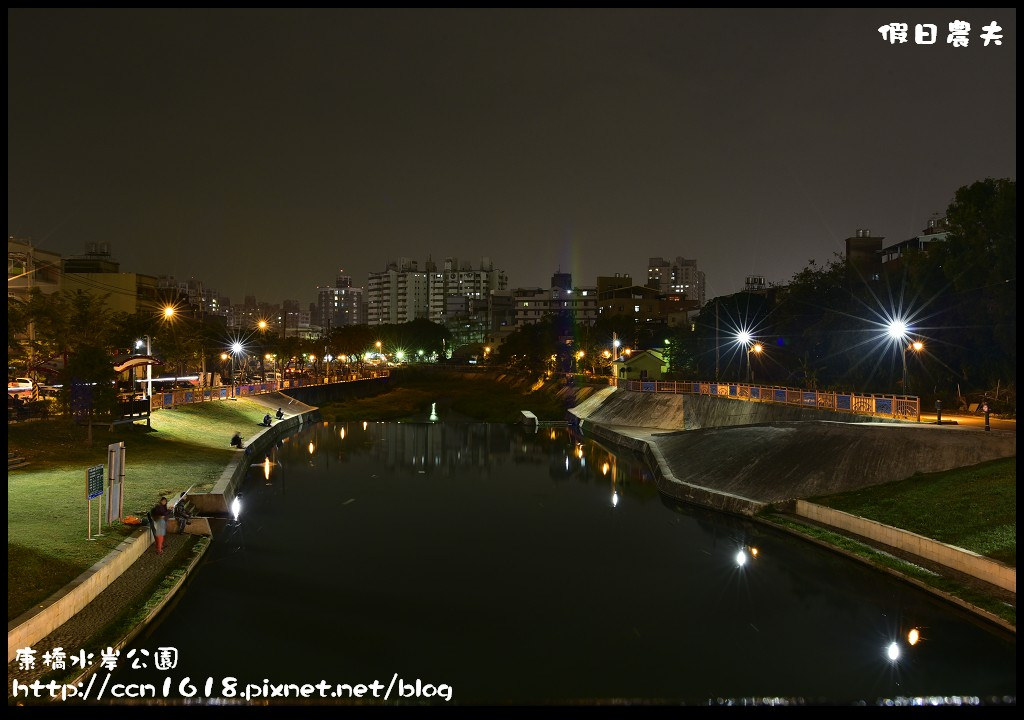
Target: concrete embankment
[[218, 500], [668, 411], [777, 461], [338, 392]]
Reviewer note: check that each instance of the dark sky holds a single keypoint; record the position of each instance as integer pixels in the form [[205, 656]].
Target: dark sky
[[261, 150]]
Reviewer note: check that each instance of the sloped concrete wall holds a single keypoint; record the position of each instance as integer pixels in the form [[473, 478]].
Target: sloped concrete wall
[[951, 556], [781, 461], [613, 406], [668, 411], [706, 411]]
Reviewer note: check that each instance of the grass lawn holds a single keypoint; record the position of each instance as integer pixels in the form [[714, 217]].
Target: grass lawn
[[972, 507], [46, 503], [486, 397]]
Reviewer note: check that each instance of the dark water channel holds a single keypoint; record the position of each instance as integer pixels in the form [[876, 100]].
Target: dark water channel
[[527, 567]]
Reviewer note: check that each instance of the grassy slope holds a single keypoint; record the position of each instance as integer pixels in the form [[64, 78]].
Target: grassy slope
[[973, 507], [46, 505]]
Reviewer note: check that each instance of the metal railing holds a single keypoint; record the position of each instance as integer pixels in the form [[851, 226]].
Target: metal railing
[[900, 407], [188, 396]]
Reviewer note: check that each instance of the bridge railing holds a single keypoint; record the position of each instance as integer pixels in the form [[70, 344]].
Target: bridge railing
[[900, 407]]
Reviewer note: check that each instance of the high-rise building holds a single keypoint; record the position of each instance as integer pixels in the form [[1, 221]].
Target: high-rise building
[[455, 280], [340, 305], [398, 294], [533, 304], [678, 276]]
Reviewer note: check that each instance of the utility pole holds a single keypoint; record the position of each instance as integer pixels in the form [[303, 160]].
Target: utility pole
[[202, 325], [31, 322], [716, 340]]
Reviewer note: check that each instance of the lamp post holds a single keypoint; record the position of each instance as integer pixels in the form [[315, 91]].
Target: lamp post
[[744, 339], [916, 346], [757, 348], [236, 347], [149, 366]]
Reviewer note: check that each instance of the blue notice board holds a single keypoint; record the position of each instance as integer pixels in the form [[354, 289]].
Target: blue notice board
[[94, 482]]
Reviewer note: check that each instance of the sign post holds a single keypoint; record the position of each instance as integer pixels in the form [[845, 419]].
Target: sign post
[[94, 489], [115, 481]]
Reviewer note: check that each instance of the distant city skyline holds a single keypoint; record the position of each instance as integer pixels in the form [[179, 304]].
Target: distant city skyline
[[264, 150]]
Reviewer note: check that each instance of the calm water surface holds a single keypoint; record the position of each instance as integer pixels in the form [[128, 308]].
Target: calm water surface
[[530, 567]]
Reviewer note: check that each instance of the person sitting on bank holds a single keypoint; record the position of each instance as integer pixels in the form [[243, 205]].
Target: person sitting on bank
[[280, 413], [236, 440], [266, 419], [181, 514]]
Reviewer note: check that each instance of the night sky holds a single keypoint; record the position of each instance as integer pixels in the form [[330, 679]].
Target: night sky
[[259, 151]]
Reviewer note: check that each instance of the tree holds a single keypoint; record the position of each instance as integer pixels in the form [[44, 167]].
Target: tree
[[88, 384]]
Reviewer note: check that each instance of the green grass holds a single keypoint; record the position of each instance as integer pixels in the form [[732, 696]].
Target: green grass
[[884, 560], [972, 507], [46, 503], [485, 397]]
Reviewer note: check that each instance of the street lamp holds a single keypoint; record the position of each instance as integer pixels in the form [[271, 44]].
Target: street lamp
[[168, 312], [745, 339], [917, 346], [149, 366], [757, 348], [236, 348]]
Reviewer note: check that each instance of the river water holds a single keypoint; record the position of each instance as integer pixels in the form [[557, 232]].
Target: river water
[[519, 567]]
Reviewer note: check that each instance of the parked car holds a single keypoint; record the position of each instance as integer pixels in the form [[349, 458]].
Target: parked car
[[21, 387]]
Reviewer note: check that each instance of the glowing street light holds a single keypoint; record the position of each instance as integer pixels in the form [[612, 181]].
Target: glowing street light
[[893, 652], [917, 346], [168, 312], [757, 348], [897, 329]]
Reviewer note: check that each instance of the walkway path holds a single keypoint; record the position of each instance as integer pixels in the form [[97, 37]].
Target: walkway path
[[131, 590]]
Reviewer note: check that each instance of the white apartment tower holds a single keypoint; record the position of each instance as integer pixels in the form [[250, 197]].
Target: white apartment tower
[[397, 294]]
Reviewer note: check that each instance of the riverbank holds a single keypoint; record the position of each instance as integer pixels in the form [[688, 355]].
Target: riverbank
[[859, 468], [46, 504], [483, 396]]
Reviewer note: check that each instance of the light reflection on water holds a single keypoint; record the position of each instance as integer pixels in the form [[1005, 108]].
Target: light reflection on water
[[499, 561]]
